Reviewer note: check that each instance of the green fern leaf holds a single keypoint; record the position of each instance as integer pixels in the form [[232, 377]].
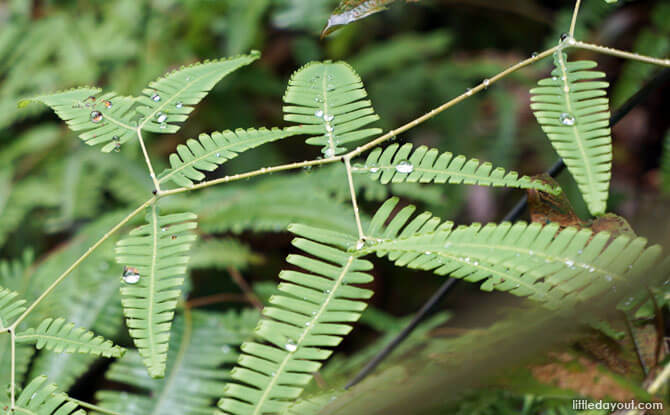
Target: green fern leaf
[[62, 337], [171, 98], [210, 151], [155, 255], [544, 263], [40, 398], [327, 100], [312, 313], [10, 306], [103, 119], [203, 346], [573, 110], [398, 164]]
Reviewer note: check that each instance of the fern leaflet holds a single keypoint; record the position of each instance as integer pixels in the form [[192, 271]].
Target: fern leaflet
[[398, 164], [170, 99], [10, 306], [197, 370], [573, 110], [210, 151], [40, 398], [327, 100], [311, 313], [155, 256], [103, 119], [62, 337], [543, 263]]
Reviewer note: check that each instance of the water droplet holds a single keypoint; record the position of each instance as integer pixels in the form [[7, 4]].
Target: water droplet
[[534, 55], [468, 91], [307, 324], [117, 143], [218, 155], [329, 153], [173, 237], [107, 104], [161, 117], [130, 275], [319, 114], [486, 83], [96, 116], [291, 346], [567, 119], [360, 244], [326, 291], [318, 99], [591, 269], [564, 36], [163, 125], [569, 263], [428, 253], [178, 104], [328, 117], [475, 263], [374, 169], [225, 348], [554, 78], [404, 167], [329, 128], [155, 97]]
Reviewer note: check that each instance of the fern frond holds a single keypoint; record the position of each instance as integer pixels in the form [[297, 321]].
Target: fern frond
[[104, 119], [155, 255], [171, 98], [544, 263], [202, 346], [40, 398], [10, 306], [573, 110], [327, 100], [312, 313], [398, 164], [210, 151], [62, 337]]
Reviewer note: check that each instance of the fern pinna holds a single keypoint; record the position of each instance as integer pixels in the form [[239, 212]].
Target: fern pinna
[[313, 311]]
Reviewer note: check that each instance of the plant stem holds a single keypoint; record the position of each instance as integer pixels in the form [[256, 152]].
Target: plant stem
[[244, 286], [575, 12], [620, 53], [264, 170], [91, 406], [12, 386], [157, 185], [354, 203], [482, 86], [86, 254]]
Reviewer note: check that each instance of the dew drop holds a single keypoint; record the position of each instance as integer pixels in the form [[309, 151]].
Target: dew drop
[[163, 125], [329, 153], [307, 324], [178, 104], [328, 118], [291, 346], [564, 36], [569, 263], [161, 117], [374, 169], [329, 128], [326, 291], [96, 116], [319, 114], [486, 83], [360, 244], [225, 348], [468, 91], [566, 119], [130, 275], [534, 55], [107, 104], [404, 167], [117, 143], [155, 97], [591, 269], [218, 155]]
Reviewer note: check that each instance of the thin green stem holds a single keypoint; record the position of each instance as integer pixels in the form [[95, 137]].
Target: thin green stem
[[93, 407], [12, 386], [575, 12], [157, 185], [86, 254], [264, 170], [467, 94], [620, 53], [354, 203]]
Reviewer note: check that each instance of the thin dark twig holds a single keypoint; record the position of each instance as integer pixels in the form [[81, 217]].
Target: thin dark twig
[[636, 345], [512, 215], [244, 286]]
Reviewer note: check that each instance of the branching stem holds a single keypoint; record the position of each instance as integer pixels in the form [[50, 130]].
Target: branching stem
[[573, 23], [157, 185], [354, 203], [620, 53], [74, 265], [96, 408]]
